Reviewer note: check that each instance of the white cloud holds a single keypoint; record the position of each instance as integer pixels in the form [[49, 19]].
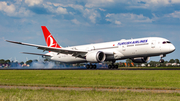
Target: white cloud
[[76, 7], [157, 1], [61, 10], [49, 7], [151, 4], [154, 4], [97, 3], [75, 21], [130, 3], [91, 14], [175, 1], [175, 14], [18, 1], [55, 9], [9, 9], [102, 9], [33, 2], [160, 2], [109, 15], [125, 18], [13, 10], [148, 4], [23, 12], [117, 22]]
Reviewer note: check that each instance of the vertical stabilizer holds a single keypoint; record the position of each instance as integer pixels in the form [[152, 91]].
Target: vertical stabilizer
[[50, 41]]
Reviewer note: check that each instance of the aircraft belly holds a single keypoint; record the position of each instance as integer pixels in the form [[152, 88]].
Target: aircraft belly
[[68, 59]]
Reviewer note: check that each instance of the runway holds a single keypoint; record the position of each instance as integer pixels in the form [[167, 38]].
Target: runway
[[71, 68], [90, 89]]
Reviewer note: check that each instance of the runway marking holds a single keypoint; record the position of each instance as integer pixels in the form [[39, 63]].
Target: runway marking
[[92, 89]]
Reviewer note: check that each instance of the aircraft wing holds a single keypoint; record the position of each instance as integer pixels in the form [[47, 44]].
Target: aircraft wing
[[52, 49]]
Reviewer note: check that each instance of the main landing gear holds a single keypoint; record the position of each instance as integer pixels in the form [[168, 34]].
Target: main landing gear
[[112, 66], [162, 60], [91, 66]]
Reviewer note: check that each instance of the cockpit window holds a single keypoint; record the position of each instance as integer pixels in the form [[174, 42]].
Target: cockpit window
[[165, 42]]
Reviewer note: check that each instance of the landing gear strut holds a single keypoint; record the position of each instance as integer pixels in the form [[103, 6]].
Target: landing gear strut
[[91, 66], [162, 60], [112, 66]]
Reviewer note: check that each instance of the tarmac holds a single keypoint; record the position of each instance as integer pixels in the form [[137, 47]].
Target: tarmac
[[71, 68]]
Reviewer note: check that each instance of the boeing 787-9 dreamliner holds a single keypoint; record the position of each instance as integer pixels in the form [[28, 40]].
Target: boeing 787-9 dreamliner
[[138, 50]]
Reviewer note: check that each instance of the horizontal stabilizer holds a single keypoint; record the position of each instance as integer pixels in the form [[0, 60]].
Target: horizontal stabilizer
[[36, 54]]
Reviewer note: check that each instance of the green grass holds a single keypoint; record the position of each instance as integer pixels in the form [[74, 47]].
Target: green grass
[[60, 95], [153, 79]]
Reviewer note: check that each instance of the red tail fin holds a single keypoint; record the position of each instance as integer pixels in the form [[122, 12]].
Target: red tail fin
[[50, 41]]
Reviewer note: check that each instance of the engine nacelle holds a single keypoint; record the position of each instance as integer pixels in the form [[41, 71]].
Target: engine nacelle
[[95, 56], [141, 59]]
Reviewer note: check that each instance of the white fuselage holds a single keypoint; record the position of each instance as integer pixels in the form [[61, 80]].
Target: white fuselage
[[123, 49]]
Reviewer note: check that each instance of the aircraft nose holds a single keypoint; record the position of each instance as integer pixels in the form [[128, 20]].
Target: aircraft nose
[[172, 48]]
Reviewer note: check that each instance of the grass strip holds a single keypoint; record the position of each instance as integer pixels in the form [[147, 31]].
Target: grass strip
[[139, 79], [61, 95]]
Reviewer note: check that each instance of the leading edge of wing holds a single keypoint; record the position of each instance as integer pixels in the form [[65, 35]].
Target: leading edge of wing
[[46, 48]]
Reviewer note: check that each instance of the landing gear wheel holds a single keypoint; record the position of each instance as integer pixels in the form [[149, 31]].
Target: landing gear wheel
[[109, 66], [94, 66], [161, 60], [87, 66], [113, 66], [91, 66], [116, 66]]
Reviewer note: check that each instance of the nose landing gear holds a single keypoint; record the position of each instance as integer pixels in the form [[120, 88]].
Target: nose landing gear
[[162, 60]]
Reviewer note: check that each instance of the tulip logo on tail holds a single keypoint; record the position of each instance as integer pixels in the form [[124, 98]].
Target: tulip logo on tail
[[51, 42]]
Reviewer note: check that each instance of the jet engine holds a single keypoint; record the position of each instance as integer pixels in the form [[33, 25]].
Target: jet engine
[[95, 56], [140, 59]]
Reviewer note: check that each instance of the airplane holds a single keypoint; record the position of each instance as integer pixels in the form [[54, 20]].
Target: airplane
[[138, 50]]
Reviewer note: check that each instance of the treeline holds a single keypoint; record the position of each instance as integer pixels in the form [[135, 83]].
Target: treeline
[[153, 63], [170, 63], [2, 61]]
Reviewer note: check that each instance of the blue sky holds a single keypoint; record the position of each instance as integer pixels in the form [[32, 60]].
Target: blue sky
[[77, 22]]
